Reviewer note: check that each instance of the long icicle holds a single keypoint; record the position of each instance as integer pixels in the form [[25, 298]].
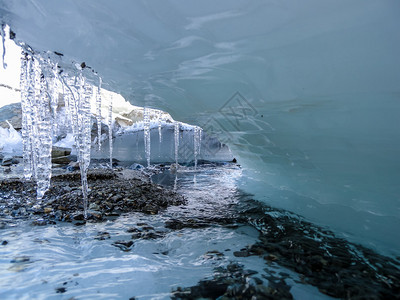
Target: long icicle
[[77, 97], [160, 127], [196, 145], [98, 113], [26, 95], [110, 130], [3, 39], [176, 136], [44, 140], [36, 125], [146, 132], [54, 94]]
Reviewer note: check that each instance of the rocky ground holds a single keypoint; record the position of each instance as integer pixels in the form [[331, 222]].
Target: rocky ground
[[336, 267], [110, 194]]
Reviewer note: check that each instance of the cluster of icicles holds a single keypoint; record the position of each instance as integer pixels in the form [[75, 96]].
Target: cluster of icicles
[[42, 82], [197, 133]]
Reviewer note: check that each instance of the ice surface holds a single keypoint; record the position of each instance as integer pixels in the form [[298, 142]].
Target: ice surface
[[317, 126]]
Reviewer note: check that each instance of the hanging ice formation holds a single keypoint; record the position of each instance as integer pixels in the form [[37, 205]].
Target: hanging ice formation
[[176, 136], [110, 130], [146, 131], [54, 94], [197, 143], [159, 127], [3, 40], [77, 98], [98, 113], [36, 124]]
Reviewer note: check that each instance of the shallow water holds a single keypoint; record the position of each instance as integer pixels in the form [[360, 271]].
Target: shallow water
[[63, 261]]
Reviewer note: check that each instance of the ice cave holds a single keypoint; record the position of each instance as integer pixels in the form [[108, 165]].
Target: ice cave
[[225, 149]]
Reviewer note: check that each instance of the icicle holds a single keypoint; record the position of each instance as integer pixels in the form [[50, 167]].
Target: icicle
[[146, 131], [159, 127], [36, 125], [3, 39], [25, 86], [176, 135], [197, 144], [78, 102], [84, 117], [110, 129], [98, 112], [44, 145], [54, 94]]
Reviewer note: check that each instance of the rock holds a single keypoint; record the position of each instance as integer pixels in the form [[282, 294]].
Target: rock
[[123, 245], [94, 206], [7, 161], [20, 259], [48, 210], [136, 166], [241, 253], [73, 166], [61, 160], [123, 122], [60, 151], [61, 290], [102, 236], [13, 114], [3, 243], [78, 217]]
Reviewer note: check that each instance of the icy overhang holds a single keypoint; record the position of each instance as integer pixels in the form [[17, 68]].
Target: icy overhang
[[316, 113]]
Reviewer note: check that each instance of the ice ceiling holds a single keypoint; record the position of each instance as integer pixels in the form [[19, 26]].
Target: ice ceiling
[[306, 93]]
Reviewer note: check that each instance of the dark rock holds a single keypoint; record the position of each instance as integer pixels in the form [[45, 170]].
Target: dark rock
[[7, 161], [61, 160], [61, 290], [78, 216], [3, 243], [102, 236], [123, 245], [241, 253], [60, 151], [20, 259]]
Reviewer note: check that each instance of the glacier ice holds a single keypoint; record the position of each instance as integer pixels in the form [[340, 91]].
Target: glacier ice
[[317, 130]]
